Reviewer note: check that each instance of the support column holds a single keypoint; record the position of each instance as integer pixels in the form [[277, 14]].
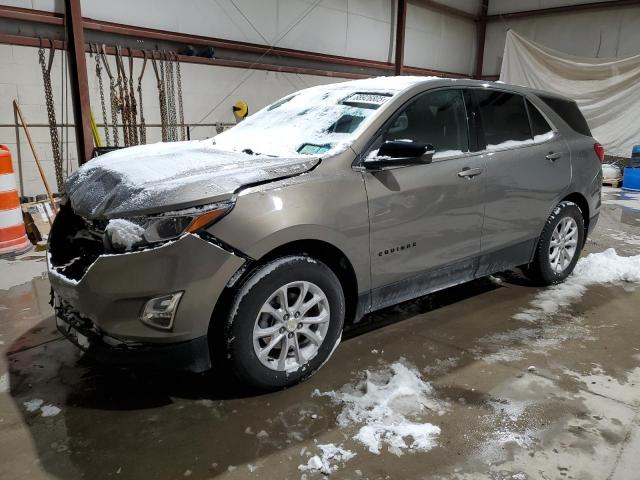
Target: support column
[[400, 30], [481, 37], [78, 79]]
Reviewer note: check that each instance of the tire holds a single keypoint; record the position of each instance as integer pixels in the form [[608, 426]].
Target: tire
[[257, 310], [543, 270]]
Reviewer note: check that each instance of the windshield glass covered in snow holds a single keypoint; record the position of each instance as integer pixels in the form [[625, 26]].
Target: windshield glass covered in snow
[[314, 121]]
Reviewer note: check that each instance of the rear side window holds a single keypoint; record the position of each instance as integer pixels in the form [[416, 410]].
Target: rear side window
[[504, 118], [438, 118], [539, 125], [569, 112]]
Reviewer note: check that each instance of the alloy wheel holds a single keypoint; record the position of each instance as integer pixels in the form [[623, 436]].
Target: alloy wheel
[[291, 326], [563, 245]]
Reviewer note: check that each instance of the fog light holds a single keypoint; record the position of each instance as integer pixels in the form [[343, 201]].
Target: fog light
[[159, 311]]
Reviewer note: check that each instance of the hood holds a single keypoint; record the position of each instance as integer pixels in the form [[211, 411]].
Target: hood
[[160, 177]]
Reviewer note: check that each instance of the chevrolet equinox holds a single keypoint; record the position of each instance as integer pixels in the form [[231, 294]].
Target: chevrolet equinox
[[255, 247]]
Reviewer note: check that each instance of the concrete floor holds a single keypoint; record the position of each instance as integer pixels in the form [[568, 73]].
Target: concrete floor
[[575, 415]]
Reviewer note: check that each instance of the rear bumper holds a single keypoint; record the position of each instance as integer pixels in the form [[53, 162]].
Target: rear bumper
[[192, 355]]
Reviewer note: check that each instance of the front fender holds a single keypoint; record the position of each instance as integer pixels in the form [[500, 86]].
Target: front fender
[[328, 205]]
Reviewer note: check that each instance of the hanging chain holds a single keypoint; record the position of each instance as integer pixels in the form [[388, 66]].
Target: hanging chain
[[51, 113], [119, 98], [113, 97], [171, 99], [174, 114], [125, 108], [161, 95], [102, 101], [133, 108], [143, 125], [183, 134], [165, 93]]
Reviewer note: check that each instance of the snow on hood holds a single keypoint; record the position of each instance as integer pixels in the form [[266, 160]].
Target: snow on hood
[[168, 176]]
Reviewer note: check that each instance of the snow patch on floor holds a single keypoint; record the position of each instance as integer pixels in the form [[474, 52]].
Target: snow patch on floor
[[515, 420], [441, 366], [49, 410], [325, 462], [541, 339], [385, 405], [622, 198], [38, 404], [624, 387], [33, 405], [596, 268], [623, 237]]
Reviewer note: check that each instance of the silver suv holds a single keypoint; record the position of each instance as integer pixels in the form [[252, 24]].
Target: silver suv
[[257, 246]]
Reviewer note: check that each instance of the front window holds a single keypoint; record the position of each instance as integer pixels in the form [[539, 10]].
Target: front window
[[437, 118], [315, 121]]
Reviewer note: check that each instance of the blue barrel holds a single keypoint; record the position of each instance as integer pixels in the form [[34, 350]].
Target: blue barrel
[[631, 177]]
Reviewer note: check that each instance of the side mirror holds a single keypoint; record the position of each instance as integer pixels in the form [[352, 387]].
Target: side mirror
[[393, 154]]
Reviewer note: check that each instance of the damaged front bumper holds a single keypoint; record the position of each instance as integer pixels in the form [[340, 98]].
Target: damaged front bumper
[[99, 306], [192, 355]]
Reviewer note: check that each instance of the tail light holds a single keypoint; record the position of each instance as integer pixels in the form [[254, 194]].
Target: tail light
[[599, 149]]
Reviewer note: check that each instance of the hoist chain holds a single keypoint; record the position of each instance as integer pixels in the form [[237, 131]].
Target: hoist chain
[[183, 134], [143, 125], [113, 97], [159, 71], [133, 108], [51, 113], [171, 99], [101, 89], [165, 93], [123, 90]]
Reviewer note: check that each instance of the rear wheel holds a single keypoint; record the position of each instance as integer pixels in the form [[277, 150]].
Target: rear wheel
[[559, 245], [285, 322]]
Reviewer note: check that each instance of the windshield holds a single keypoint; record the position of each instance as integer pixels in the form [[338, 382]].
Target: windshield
[[314, 121]]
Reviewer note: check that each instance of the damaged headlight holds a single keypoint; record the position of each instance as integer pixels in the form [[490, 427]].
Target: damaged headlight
[[125, 234]]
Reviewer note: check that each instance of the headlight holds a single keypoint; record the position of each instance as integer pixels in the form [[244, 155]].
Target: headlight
[[125, 234]]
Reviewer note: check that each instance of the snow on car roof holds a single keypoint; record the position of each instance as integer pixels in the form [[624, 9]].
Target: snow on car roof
[[390, 84]]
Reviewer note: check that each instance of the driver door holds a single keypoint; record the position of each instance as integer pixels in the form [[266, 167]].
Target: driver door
[[426, 219]]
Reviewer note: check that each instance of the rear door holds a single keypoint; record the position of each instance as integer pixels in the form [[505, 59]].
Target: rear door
[[426, 220], [528, 169]]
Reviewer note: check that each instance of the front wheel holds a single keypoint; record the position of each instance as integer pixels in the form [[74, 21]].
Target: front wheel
[[559, 245], [285, 322]]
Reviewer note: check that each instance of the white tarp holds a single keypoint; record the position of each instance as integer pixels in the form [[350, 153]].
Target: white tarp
[[607, 90]]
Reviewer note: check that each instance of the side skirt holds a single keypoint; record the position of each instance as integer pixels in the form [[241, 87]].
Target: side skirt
[[445, 277], [507, 258], [424, 283]]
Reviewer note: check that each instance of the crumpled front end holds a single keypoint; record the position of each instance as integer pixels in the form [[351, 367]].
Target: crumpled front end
[[100, 296]]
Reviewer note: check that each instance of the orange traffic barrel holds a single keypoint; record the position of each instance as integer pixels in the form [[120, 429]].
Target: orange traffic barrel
[[13, 237]]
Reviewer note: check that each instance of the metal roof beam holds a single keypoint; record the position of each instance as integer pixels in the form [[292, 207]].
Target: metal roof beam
[[442, 8], [565, 9]]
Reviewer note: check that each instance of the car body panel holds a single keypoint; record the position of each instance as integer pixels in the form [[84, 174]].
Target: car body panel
[[327, 204], [423, 217], [521, 185]]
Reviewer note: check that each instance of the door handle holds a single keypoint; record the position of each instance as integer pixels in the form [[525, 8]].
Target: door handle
[[469, 173], [553, 156]]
